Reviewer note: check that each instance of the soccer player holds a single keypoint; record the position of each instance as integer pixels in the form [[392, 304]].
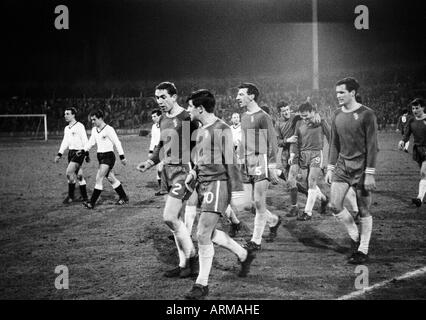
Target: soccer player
[[218, 179], [402, 125], [307, 154], [104, 136], [352, 162], [75, 137], [176, 129], [258, 151], [155, 140], [417, 127]]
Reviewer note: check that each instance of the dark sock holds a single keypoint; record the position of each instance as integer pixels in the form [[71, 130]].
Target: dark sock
[[95, 195], [283, 175], [71, 188], [83, 191], [293, 196], [120, 192], [301, 189], [159, 182]]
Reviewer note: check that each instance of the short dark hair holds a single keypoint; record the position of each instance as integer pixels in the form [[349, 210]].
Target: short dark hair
[[418, 102], [97, 113], [281, 104], [306, 107], [404, 111], [203, 97], [350, 83], [169, 86], [251, 89], [72, 109], [156, 111]]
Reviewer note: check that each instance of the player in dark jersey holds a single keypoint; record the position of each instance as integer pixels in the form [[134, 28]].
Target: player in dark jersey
[[176, 128], [258, 151], [352, 162], [417, 127], [218, 181], [401, 126]]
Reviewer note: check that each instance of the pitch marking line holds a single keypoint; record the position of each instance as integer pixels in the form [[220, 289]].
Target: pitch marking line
[[407, 275]]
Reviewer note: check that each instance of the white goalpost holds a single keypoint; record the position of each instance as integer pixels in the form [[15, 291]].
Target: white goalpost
[[41, 116]]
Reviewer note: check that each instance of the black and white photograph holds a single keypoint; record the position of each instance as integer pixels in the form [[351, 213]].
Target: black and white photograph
[[237, 151]]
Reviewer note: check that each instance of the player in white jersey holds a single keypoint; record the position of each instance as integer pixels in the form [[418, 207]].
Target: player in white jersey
[[75, 138], [155, 140], [104, 136]]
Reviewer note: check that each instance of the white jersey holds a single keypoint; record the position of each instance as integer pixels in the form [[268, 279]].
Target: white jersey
[[155, 136], [75, 137], [236, 134], [105, 139]]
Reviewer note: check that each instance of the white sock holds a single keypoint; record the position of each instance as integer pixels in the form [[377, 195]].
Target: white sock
[[82, 182], [230, 214], [407, 145], [181, 254], [99, 186], [190, 214], [184, 241], [320, 195], [366, 224], [116, 184], [259, 226], [346, 218], [422, 189], [350, 200], [271, 218], [223, 240], [205, 257], [310, 202]]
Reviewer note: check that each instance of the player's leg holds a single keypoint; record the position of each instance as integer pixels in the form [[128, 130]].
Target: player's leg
[[118, 187], [82, 184], [422, 186], [72, 178], [100, 175], [350, 202], [191, 211], [292, 185], [313, 175], [366, 225]]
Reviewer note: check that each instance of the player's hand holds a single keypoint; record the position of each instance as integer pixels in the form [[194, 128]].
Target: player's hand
[[57, 158], [328, 176], [317, 118], [292, 139], [79, 152], [143, 166], [369, 182], [401, 145], [124, 161], [273, 176], [291, 159]]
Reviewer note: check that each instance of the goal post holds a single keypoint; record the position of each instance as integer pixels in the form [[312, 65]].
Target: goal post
[[42, 116]]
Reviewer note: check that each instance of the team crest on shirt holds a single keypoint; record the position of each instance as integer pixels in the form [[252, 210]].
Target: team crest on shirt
[[175, 123], [356, 116]]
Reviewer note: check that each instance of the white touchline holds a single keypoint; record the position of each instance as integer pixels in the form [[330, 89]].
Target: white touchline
[[407, 275]]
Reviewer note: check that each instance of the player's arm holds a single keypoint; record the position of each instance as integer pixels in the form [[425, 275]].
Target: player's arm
[[230, 161], [83, 136], [294, 147], [153, 140], [372, 150], [334, 150], [325, 130], [114, 138], [91, 142], [63, 147], [271, 138], [407, 133]]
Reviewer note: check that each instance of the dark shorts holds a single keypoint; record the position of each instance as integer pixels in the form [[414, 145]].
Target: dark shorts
[[173, 181], [255, 168], [107, 158], [73, 157], [213, 196], [285, 155], [350, 172], [310, 159], [419, 154]]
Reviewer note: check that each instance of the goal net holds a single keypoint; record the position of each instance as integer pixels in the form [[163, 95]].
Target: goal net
[[30, 126]]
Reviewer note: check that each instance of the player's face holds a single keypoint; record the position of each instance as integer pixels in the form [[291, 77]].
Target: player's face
[[193, 111], [344, 97], [155, 118], [68, 116], [235, 119], [418, 111], [285, 112], [307, 116], [165, 100], [243, 98], [95, 121]]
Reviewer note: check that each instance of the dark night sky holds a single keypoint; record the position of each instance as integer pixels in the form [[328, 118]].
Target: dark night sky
[[136, 39]]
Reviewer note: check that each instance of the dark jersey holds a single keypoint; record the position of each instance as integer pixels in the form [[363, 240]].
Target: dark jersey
[[354, 137], [310, 137], [214, 155], [402, 123], [175, 139], [258, 136], [285, 129], [418, 129]]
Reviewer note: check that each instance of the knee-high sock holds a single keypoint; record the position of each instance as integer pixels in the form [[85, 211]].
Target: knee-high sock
[[320, 195], [271, 218], [259, 226], [422, 189], [223, 240], [346, 218], [96, 193], [350, 200], [310, 202], [184, 241], [190, 214], [230, 214], [118, 187], [181, 253], [293, 196], [366, 224], [407, 144], [83, 190], [205, 257], [71, 188]]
